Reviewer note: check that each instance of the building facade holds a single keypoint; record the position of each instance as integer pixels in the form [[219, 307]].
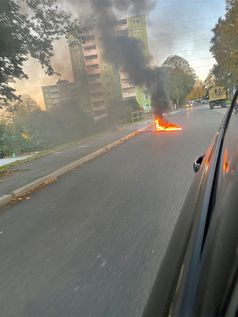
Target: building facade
[[62, 92], [134, 27], [100, 82]]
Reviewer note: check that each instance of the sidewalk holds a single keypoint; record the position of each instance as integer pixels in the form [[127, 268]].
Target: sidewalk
[[9, 160], [25, 173]]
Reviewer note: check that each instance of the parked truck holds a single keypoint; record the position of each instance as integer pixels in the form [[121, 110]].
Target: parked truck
[[217, 97]]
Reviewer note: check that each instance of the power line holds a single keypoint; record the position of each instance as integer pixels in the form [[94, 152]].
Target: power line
[[182, 1], [188, 42], [191, 20], [199, 59], [181, 4], [188, 31], [204, 66], [190, 50]]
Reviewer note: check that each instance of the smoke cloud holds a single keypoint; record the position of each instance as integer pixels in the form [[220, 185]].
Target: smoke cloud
[[127, 52]]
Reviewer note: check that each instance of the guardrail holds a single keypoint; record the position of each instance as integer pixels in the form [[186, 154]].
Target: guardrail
[[140, 115]]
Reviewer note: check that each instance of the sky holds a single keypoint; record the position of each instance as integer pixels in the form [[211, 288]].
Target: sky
[[181, 27]]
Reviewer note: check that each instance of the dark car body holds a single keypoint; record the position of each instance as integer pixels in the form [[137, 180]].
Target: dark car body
[[199, 273]]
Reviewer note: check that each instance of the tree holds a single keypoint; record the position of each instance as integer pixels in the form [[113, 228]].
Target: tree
[[224, 42], [175, 62], [72, 120], [198, 91], [210, 80], [180, 78], [22, 110], [28, 28], [132, 104]]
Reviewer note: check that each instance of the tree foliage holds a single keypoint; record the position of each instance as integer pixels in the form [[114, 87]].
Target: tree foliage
[[198, 91], [180, 78], [28, 28], [210, 81], [225, 43], [33, 129], [176, 62]]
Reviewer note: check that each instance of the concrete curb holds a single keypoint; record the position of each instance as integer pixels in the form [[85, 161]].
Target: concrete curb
[[6, 199]]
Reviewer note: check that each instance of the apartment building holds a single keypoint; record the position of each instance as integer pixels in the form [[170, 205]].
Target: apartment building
[[60, 93], [134, 27], [98, 80], [101, 82]]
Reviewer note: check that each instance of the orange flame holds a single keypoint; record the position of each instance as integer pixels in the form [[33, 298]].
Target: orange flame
[[226, 162], [161, 124]]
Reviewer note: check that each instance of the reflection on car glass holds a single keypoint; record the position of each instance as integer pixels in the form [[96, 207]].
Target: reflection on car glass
[[236, 107]]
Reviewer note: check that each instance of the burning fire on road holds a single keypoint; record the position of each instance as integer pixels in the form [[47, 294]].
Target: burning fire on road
[[162, 124]]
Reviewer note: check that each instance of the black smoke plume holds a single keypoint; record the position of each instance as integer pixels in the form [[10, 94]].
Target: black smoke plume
[[127, 52]]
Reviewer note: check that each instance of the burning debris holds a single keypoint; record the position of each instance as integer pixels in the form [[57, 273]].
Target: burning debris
[[162, 124]]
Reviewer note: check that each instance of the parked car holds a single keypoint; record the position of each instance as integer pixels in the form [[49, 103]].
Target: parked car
[[199, 273]]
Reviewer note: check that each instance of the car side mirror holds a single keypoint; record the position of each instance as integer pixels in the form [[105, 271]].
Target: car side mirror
[[197, 164]]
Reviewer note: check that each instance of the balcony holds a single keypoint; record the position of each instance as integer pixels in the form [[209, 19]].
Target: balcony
[[129, 92], [96, 108], [89, 62], [121, 25], [99, 114], [95, 89], [92, 62], [97, 97], [90, 52], [124, 75], [94, 79], [95, 86], [128, 95], [125, 84], [93, 69], [89, 40]]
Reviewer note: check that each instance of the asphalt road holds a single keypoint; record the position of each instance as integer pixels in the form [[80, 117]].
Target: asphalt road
[[91, 243]]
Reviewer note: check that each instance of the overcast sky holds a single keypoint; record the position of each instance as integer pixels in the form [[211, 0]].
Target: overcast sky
[[181, 27]]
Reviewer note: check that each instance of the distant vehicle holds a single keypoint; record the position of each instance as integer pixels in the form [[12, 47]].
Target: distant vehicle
[[189, 104], [199, 273], [217, 97], [197, 102]]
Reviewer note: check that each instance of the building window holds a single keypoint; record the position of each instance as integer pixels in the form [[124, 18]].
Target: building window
[[98, 104], [97, 94], [95, 85], [93, 77], [90, 67], [91, 57], [127, 81], [130, 90], [90, 47], [98, 113], [89, 38], [136, 21], [121, 22], [122, 33]]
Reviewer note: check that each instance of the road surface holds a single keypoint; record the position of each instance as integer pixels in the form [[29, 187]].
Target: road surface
[[91, 243]]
